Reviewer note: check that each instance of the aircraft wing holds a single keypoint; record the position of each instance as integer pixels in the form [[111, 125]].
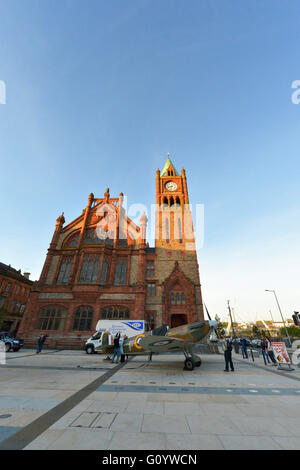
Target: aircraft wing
[[164, 344]]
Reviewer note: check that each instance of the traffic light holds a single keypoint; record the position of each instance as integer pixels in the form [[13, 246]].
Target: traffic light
[[296, 318]]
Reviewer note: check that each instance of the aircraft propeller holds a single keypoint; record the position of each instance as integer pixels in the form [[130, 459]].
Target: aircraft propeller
[[213, 324]]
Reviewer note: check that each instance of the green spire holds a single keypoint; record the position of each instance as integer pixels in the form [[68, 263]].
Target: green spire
[[167, 165]]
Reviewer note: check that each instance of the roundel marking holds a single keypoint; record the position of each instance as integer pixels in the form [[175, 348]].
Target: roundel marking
[[137, 341]]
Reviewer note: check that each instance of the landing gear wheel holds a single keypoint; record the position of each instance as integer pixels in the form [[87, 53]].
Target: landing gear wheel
[[189, 364]]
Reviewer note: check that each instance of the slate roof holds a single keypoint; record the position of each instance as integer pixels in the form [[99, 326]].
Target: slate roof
[[8, 271]]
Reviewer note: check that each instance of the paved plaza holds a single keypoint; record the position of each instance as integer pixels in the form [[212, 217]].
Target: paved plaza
[[70, 400]]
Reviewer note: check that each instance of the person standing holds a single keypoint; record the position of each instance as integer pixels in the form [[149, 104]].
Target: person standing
[[126, 337], [227, 348], [264, 346], [117, 350], [244, 348], [270, 351], [40, 344], [121, 342]]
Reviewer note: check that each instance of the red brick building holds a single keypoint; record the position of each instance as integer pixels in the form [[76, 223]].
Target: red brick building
[[14, 293], [100, 266]]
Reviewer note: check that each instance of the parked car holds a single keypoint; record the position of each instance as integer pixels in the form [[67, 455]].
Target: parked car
[[256, 343], [11, 343]]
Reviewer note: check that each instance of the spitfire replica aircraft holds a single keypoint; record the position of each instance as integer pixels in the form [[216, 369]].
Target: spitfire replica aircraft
[[164, 340]]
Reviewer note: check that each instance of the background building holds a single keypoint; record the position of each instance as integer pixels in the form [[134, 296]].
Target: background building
[[14, 293], [99, 266]]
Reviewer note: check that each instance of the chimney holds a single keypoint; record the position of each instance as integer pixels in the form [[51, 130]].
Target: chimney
[[26, 275]]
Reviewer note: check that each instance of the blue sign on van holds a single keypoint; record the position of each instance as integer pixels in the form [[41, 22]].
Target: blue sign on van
[[135, 325]]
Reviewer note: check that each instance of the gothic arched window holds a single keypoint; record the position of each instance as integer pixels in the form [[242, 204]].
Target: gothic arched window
[[179, 230], [117, 313], [64, 272], [83, 318], [90, 267], [121, 270], [167, 230], [104, 271], [72, 242], [51, 317]]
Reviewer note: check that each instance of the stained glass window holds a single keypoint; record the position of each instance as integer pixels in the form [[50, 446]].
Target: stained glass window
[[117, 313], [51, 317], [104, 271], [121, 270], [150, 269], [65, 269], [83, 319], [90, 267]]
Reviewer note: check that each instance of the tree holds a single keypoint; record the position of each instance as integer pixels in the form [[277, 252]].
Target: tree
[[255, 331], [293, 331]]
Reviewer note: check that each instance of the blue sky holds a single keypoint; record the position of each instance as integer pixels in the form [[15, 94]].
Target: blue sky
[[99, 92]]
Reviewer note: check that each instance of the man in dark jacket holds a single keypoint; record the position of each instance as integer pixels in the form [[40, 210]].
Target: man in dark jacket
[[227, 348], [244, 348], [41, 341], [117, 348]]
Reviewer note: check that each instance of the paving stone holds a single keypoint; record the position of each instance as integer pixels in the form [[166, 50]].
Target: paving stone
[[153, 423], [211, 425], [184, 409], [145, 408], [127, 421], [288, 443], [7, 431], [192, 442], [104, 420], [292, 424], [239, 442], [138, 441], [45, 440], [84, 420], [114, 406], [82, 439], [257, 426]]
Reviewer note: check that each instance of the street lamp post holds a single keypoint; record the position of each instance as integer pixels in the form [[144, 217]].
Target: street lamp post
[[286, 331], [233, 332]]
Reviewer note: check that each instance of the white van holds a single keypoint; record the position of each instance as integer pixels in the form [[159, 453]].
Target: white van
[[124, 327]]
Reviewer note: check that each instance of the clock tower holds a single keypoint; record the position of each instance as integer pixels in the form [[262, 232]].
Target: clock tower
[[174, 226], [176, 258]]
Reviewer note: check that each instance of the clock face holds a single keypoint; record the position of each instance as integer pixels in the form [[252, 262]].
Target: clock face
[[171, 186]]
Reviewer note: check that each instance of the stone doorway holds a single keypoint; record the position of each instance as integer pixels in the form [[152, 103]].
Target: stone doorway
[[178, 319]]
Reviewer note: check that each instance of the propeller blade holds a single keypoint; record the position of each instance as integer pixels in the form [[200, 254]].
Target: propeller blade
[[212, 325], [207, 312]]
